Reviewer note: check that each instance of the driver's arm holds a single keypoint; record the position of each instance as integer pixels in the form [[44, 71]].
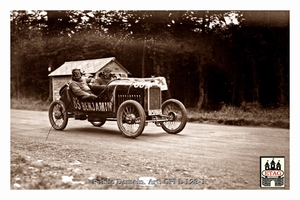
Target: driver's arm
[[77, 90], [98, 84]]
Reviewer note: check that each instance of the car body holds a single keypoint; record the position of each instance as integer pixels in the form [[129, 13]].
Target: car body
[[132, 102]]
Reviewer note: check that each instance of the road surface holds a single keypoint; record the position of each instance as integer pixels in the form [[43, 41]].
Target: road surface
[[206, 156]]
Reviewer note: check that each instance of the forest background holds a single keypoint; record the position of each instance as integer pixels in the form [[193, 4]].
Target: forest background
[[209, 58]]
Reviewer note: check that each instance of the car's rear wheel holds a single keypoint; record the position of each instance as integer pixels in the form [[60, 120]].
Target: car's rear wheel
[[58, 115], [177, 117], [131, 119]]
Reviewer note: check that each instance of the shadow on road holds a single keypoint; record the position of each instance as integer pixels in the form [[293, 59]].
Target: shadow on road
[[108, 132]]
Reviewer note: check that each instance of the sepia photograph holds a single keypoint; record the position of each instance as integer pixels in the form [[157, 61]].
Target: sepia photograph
[[150, 99]]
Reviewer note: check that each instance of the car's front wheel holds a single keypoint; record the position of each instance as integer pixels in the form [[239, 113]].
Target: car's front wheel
[[177, 117], [131, 119]]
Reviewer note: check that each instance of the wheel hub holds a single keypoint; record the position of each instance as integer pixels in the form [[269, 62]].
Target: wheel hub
[[57, 114], [172, 116], [130, 118]]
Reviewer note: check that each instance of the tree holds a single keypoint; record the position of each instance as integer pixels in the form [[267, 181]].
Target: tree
[[206, 57]]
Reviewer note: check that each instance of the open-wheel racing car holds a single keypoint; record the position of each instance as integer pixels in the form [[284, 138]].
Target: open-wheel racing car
[[132, 102]]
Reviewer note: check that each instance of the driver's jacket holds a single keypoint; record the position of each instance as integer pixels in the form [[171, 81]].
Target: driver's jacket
[[81, 89], [99, 85]]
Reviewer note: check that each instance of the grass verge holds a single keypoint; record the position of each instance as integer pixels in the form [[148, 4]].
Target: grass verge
[[246, 115], [29, 104]]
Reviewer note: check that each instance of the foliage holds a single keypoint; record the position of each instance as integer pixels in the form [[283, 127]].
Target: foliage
[[208, 57]]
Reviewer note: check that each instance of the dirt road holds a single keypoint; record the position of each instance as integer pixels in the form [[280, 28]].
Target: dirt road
[[202, 156]]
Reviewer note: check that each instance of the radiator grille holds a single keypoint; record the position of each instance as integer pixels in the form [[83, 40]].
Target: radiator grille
[[154, 98]]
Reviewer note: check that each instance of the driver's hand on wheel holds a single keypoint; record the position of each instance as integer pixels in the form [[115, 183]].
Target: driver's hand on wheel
[[93, 96]]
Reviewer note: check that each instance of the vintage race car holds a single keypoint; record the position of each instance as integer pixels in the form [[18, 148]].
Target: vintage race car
[[132, 102]]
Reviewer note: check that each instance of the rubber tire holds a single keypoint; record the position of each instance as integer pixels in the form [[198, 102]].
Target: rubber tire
[[64, 115], [140, 111], [180, 108]]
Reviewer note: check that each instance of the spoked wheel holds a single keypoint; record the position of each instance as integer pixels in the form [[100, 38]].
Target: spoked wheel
[[99, 123], [177, 116], [58, 115], [131, 119]]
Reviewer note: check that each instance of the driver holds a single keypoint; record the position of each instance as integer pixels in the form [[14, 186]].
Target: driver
[[101, 81]]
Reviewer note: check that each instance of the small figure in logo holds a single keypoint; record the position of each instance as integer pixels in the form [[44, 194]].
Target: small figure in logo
[[278, 165], [273, 164], [267, 165]]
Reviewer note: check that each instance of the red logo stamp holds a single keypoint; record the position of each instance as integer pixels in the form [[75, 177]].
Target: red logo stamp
[[272, 171]]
